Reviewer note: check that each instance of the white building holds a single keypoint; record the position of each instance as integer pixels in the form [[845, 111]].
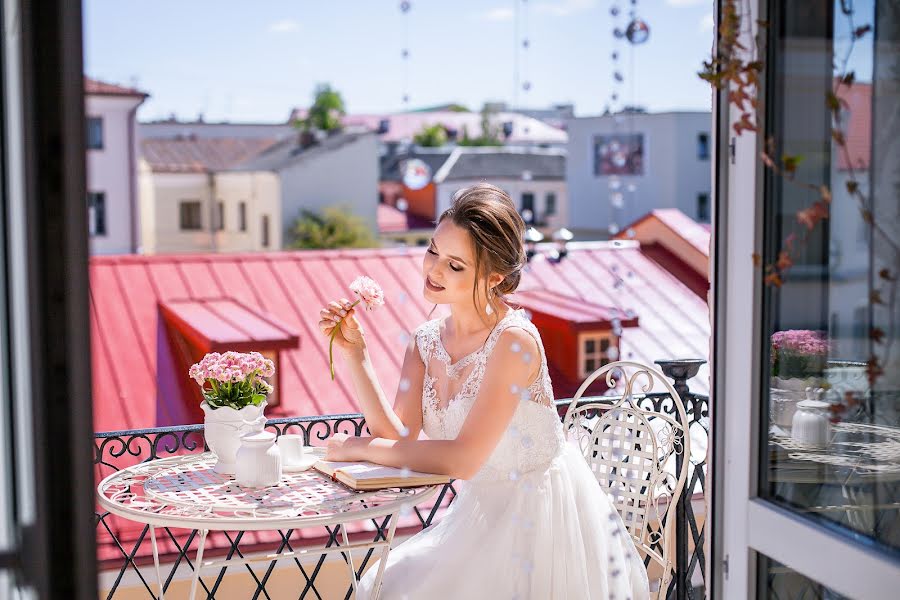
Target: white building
[[191, 202], [650, 160], [533, 177], [234, 194], [337, 170], [111, 167]]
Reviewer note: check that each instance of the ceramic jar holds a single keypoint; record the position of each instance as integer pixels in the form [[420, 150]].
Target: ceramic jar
[[810, 423], [258, 460], [223, 428]]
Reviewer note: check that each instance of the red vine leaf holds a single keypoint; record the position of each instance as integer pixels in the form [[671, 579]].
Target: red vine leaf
[[875, 297], [877, 334], [757, 259]]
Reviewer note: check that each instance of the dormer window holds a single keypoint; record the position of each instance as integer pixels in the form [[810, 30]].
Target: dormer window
[[594, 351]]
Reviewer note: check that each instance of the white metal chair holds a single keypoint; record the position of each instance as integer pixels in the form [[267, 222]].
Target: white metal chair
[[633, 453]]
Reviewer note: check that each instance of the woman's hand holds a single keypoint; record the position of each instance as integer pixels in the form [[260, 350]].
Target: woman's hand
[[340, 448], [340, 314]]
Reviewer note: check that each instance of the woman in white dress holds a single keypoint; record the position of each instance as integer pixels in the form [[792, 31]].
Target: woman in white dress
[[530, 520]]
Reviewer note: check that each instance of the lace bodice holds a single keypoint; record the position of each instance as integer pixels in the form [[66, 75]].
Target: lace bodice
[[534, 436]]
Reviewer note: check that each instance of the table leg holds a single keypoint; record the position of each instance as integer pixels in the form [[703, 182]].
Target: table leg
[[198, 563], [349, 557], [382, 562], [156, 562]]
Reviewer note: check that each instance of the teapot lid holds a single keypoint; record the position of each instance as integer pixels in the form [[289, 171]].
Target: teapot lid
[[258, 437], [813, 404]]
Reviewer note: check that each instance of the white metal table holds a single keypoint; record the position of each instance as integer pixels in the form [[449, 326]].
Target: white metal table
[[185, 492]]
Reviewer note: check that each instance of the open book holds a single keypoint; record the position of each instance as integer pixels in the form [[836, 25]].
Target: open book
[[369, 476]]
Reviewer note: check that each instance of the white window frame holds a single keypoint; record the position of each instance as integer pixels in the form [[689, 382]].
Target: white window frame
[[599, 355], [743, 525]]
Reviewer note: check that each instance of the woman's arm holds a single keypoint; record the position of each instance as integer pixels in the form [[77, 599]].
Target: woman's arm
[[405, 419], [506, 374]]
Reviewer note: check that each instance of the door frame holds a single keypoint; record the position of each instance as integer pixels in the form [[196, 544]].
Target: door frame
[[743, 524]]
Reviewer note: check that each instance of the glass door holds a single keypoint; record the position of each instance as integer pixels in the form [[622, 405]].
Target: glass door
[[811, 501]]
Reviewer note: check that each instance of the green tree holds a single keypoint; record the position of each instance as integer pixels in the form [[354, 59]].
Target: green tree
[[334, 227], [326, 110], [431, 136], [490, 134]]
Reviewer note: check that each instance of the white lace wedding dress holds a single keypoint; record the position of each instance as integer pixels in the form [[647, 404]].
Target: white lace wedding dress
[[532, 523]]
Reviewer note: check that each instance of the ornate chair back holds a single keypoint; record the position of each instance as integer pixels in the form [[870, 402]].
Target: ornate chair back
[[635, 453]]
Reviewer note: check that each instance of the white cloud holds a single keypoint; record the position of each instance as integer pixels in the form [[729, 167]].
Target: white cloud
[[686, 2], [497, 14], [564, 8], [707, 23], [284, 26]]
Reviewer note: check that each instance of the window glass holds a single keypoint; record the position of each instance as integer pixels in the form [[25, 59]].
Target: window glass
[[703, 146], [551, 204], [830, 335], [778, 582], [97, 213], [94, 130], [190, 217]]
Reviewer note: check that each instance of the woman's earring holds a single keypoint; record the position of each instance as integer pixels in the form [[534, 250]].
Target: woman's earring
[[488, 309]]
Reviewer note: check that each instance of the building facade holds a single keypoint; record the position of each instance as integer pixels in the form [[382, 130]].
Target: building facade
[[621, 166], [112, 204]]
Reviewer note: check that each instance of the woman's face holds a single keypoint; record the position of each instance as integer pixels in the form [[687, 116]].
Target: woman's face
[[449, 265]]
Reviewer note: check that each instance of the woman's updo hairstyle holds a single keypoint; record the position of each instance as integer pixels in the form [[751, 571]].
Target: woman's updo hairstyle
[[497, 231]]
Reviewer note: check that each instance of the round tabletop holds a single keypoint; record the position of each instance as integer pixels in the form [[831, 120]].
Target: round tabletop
[[185, 491]]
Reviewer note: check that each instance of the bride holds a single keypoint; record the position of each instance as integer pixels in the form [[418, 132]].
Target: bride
[[530, 521]]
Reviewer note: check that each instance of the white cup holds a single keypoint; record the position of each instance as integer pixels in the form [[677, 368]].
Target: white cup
[[292, 449]]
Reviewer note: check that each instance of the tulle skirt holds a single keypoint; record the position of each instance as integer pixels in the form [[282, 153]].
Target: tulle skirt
[[547, 534]]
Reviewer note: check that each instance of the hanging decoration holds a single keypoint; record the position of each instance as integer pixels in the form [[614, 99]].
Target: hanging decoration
[[522, 43], [405, 7], [637, 31]]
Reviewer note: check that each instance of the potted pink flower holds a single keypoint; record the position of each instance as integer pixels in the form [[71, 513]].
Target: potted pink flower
[[797, 358], [234, 399], [370, 294]]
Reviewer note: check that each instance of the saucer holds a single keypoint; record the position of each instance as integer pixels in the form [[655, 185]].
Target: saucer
[[309, 459]]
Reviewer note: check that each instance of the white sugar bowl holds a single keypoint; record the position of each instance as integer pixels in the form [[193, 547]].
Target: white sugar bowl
[[258, 460], [810, 424]]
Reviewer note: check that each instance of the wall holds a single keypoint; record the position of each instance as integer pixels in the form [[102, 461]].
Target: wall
[[111, 170], [347, 176], [672, 173], [515, 188], [161, 194]]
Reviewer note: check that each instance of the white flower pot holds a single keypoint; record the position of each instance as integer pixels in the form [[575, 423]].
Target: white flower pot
[[223, 428]]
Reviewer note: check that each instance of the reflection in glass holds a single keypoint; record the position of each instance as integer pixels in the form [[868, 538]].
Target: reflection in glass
[[778, 582], [833, 443]]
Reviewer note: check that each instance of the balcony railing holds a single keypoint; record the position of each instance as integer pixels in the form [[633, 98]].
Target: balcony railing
[[123, 548]]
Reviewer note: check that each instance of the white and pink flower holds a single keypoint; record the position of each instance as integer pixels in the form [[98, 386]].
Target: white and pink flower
[[233, 379]]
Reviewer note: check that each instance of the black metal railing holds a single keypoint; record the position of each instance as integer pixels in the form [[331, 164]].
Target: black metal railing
[[124, 549]]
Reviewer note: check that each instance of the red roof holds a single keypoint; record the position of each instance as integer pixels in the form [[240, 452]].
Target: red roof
[[198, 155], [222, 324], [696, 234], [580, 313], [96, 87], [394, 220], [127, 291]]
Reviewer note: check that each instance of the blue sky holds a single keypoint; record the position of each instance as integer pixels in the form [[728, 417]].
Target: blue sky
[[253, 61]]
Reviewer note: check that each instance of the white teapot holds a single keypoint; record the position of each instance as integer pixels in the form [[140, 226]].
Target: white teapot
[[258, 460], [810, 424]]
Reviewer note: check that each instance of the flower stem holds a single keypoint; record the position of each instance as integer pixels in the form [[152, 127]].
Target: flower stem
[[337, 327]]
